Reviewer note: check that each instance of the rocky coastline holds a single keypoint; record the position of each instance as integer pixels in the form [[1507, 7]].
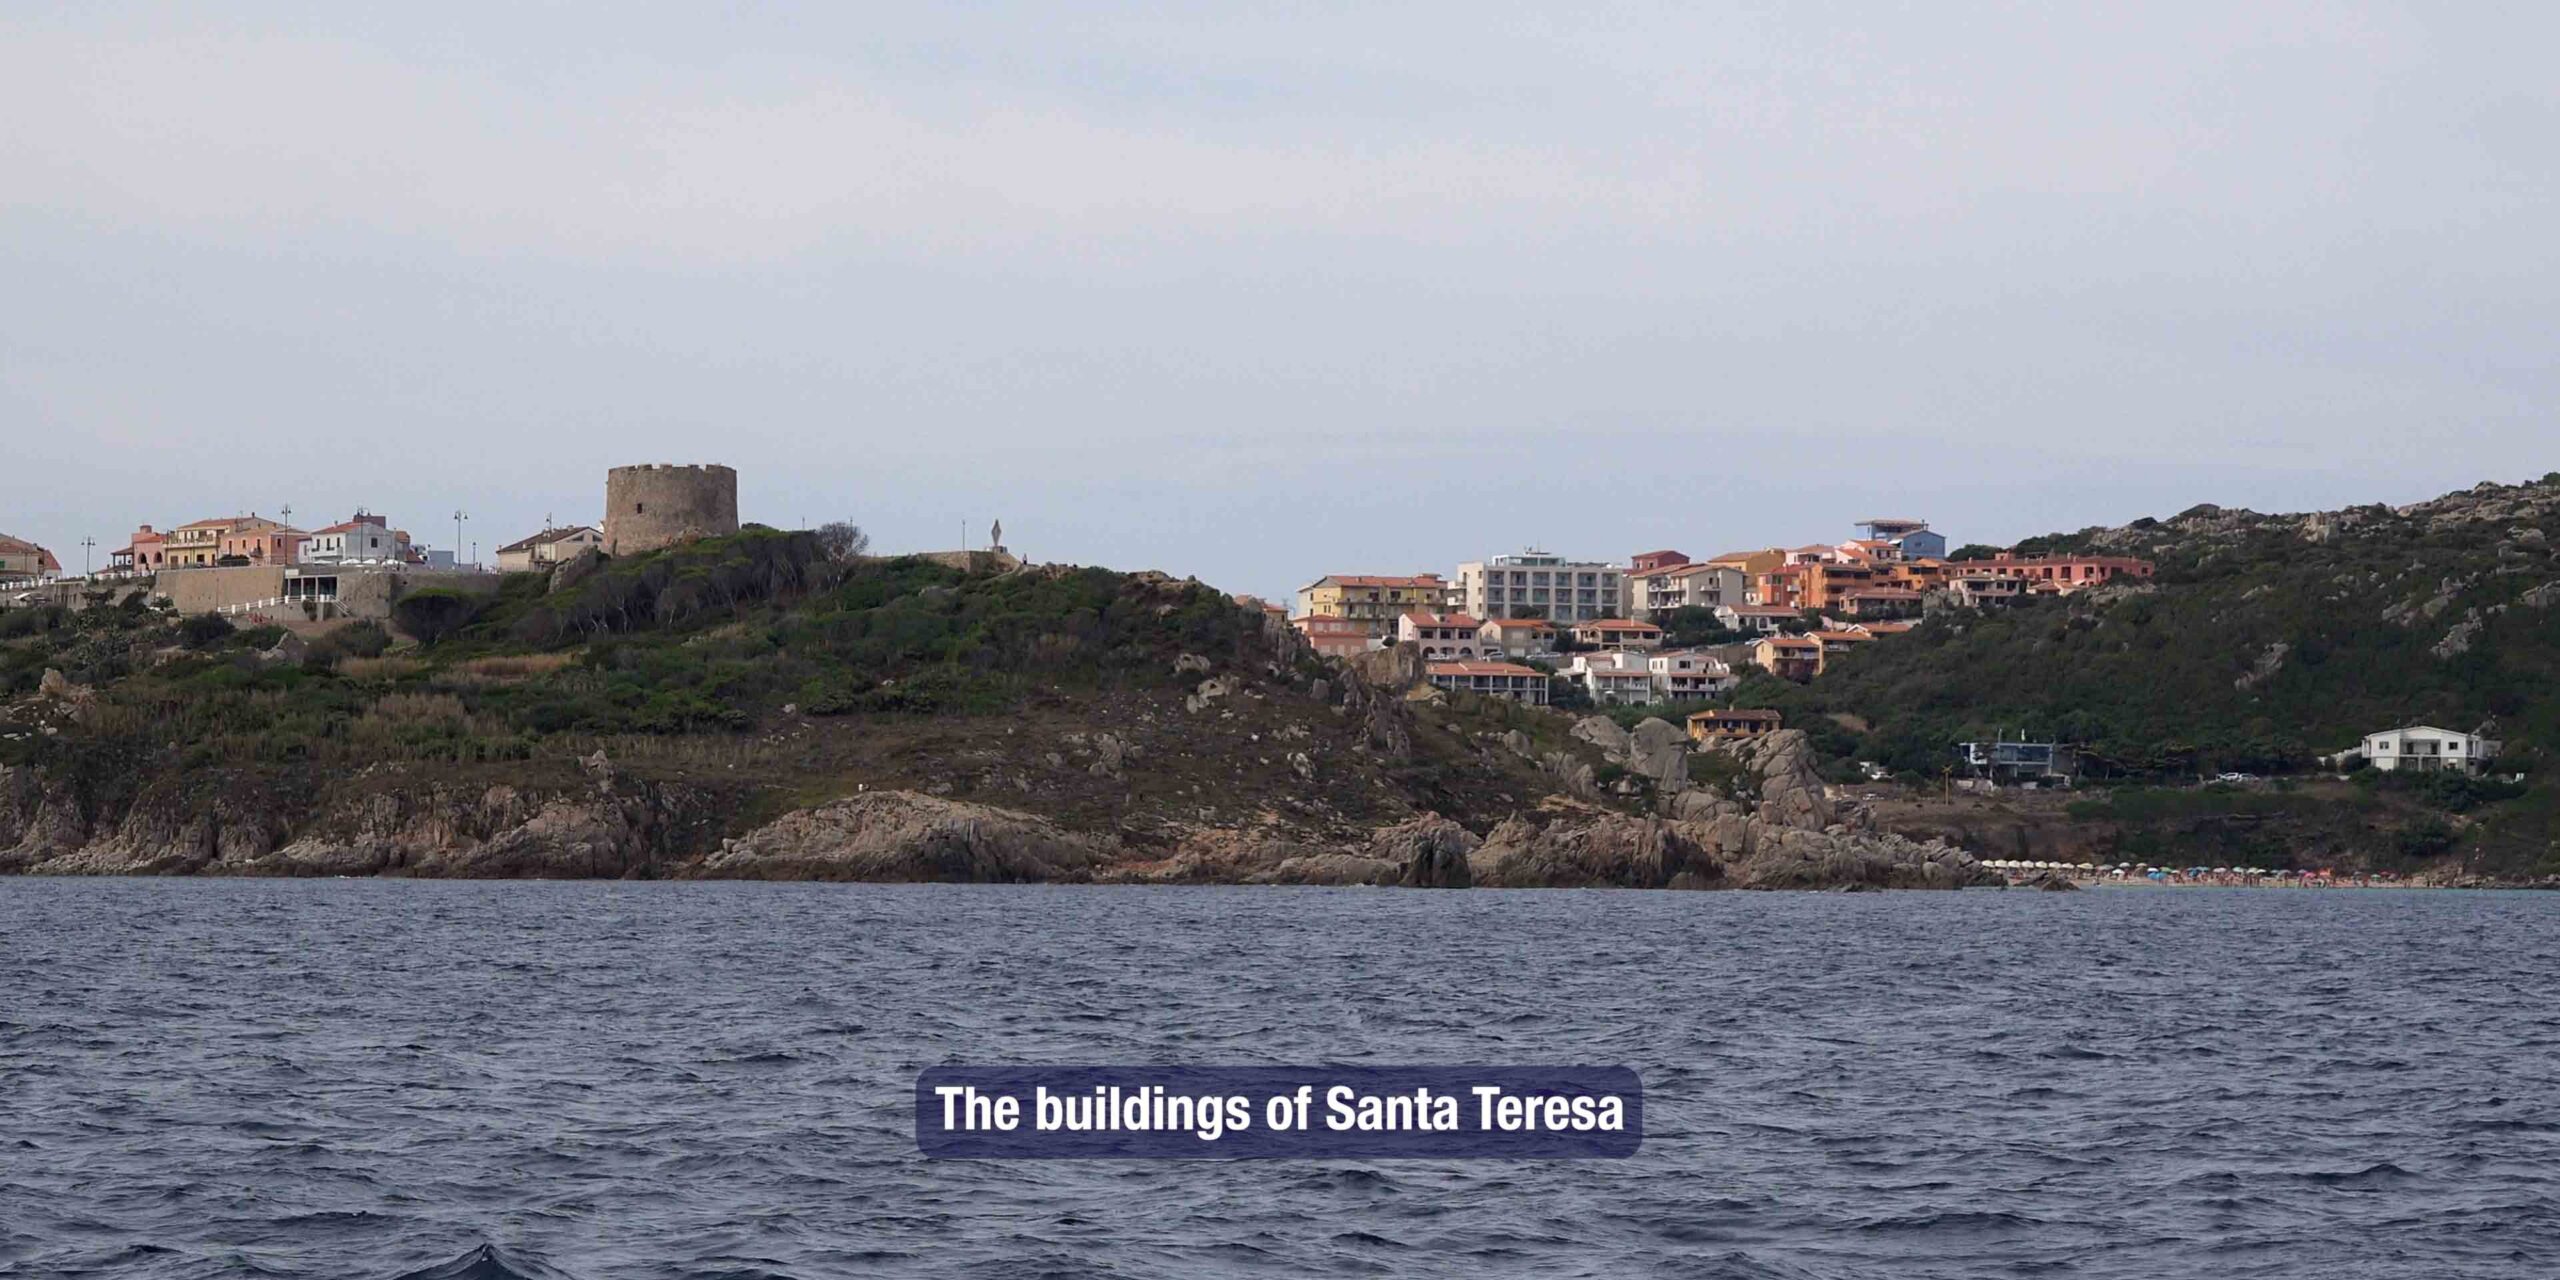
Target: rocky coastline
[[1772, 830]]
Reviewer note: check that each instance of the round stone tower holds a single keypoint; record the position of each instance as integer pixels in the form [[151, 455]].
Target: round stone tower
[[659, 505]]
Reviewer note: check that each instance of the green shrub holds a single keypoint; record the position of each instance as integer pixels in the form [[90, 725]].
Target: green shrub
[[204, 630]]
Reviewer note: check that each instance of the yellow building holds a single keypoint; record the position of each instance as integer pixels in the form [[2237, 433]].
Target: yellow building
[[1752, 563], [1375, 602], [199, 545]]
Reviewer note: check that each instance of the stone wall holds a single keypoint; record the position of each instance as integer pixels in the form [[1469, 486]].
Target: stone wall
[[973, 561], [205, 590], [363, 591], [659, 505]]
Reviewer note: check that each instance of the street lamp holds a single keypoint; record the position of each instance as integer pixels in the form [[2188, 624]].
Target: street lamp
[[458, 518]]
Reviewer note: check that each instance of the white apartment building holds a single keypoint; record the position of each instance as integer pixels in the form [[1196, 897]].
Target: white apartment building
[[1688, 675], [1653, 594], [1537, 584], [1490, 679], [1630, 678]]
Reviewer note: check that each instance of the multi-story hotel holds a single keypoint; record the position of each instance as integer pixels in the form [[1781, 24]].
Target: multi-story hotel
[[1537, 584]]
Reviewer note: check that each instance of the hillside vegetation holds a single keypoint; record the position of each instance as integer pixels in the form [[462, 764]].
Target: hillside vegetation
[[758, 667], [2264, 642]]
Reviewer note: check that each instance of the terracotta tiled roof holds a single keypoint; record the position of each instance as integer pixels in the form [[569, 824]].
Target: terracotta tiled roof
[[1422, 619], [1373, 580], [1615, 624]]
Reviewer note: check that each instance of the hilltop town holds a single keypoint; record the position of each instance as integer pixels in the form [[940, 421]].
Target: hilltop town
[[255, 570], [1661, 628]]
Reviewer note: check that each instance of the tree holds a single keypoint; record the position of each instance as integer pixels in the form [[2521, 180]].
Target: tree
[[843, 541], [1691, 626], [434, 613], [1973, 551]]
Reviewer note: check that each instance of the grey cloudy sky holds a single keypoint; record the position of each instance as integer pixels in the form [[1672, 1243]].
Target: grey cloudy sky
[[1368, 288]]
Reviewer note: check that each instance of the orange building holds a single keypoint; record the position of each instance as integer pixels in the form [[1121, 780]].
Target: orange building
[[200, 544], [262, 542], [1732, 726], [1752, 563], [2060, 574], [1796, 658]]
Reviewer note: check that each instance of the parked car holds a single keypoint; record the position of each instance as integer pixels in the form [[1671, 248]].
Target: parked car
[[2236, 777]]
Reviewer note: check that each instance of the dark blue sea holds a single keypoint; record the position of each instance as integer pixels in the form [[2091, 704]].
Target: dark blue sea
[[379, 1079]]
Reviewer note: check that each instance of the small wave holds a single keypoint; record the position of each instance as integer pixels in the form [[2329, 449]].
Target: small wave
[[1350, 1180], [2075, 1053], [2385, 1174], [483, 1263], [1961, 1220], [1368, 1240]]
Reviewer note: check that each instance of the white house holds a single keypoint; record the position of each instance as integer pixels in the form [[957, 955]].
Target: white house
[[1758, 619], [1688, 675], [2425, 747], [364, 539], [1611, 687]]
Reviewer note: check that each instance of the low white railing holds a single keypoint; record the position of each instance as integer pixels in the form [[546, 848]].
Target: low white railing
[[279, 604]]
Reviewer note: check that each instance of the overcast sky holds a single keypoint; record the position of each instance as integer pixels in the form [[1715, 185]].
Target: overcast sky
[[1370, 289]]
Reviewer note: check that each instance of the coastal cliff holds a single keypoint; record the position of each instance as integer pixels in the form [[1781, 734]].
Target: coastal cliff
[[610, 823]]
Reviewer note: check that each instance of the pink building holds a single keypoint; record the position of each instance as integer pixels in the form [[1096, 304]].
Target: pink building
[[1331, 636]]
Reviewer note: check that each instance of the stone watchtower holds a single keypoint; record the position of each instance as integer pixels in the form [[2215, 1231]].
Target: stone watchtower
[[659, 505]]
